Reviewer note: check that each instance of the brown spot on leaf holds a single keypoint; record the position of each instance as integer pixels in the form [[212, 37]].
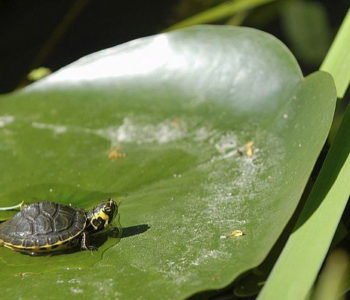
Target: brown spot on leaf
[[233, 234], [249, 149], [116, 153]]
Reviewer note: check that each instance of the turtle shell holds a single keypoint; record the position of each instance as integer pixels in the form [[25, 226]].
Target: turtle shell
[[42, 226]]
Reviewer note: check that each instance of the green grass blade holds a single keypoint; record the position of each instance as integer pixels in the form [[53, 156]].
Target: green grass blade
[[304, 253], [332, 279], [337, 61], [219, 12]]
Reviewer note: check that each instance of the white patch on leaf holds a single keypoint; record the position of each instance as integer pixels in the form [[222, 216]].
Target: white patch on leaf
[[57, 129], [6, 120]]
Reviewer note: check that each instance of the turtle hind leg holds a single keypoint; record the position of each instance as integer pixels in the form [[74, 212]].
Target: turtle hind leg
[[85, 242]]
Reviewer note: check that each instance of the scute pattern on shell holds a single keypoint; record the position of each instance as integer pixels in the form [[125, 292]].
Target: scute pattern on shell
[[43, 223]]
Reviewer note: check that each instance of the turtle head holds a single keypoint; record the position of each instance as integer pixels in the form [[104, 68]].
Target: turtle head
[[102, 215]]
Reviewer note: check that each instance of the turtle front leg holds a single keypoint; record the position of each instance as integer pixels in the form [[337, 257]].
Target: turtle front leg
[[85, 242]]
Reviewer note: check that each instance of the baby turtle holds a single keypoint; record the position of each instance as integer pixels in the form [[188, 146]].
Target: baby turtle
[[46, 227]]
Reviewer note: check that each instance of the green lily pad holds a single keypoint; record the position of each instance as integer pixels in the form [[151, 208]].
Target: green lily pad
[[200, 134]]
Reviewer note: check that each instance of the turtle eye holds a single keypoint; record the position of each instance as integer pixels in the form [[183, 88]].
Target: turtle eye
[[108, 209]]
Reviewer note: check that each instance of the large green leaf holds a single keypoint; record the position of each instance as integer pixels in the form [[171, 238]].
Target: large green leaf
[[160, 124]]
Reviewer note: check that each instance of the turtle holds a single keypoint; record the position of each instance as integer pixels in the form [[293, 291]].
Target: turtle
[[47, 227]]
